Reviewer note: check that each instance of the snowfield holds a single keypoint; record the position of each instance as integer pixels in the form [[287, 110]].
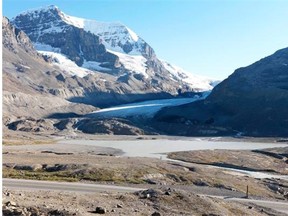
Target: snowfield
[[111, 33], [68, 66], [133, 63]]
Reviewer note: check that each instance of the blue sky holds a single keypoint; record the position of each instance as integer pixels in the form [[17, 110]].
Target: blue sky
[[210, 38]]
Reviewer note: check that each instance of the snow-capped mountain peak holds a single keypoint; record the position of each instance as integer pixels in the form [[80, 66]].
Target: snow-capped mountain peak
[[108, 47], [114, 35], [35, 11], [100, 28], [71, 20]]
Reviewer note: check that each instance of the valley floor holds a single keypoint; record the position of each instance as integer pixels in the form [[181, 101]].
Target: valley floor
[[178, 185]]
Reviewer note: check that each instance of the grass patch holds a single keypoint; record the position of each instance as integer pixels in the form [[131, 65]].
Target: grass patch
[[96, 175], [26, 142], [37, 175]]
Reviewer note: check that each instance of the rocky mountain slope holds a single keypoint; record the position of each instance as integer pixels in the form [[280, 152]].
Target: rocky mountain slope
[[252, 101], [110, 48], [26, 77]]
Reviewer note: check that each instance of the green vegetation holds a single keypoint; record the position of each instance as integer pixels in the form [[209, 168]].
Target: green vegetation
[[99, 175], [37, 175], [10, 142]]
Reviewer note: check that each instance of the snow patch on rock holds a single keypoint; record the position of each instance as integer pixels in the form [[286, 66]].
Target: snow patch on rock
[[197, 82], [66, 64], [133, 63]]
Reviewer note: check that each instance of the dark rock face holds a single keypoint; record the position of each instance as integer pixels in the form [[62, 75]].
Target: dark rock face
[[47, 27], [13, 37], [252, 101], [127, 47]]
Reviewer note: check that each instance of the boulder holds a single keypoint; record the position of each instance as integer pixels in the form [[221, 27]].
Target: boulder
[[100, 210]]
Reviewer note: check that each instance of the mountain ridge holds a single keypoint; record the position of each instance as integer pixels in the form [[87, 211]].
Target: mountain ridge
[[95, 27], [252, 101], [120, 51]]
